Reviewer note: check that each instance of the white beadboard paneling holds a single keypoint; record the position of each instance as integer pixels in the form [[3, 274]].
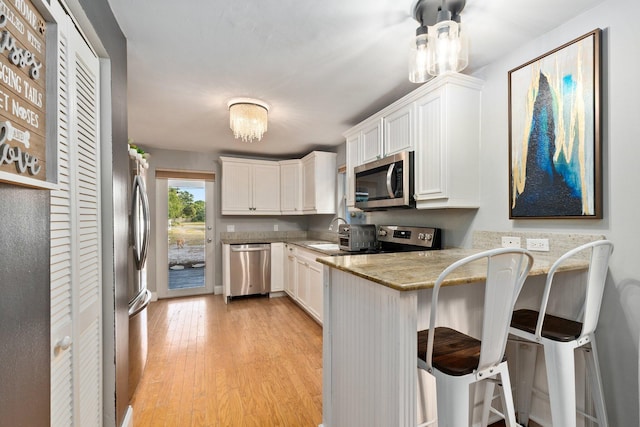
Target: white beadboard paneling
[[372, 362]]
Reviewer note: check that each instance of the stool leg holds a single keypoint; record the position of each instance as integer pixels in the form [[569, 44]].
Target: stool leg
[[593, 373], [559, 360], [527, 353], [453, 400], [507, 397], [489, 387]]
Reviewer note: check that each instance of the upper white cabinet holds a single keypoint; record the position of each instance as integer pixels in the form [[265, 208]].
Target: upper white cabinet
[[250, 187], [440, 122], [398, 130], [447, 169], [371, 140], [319, 183], [354, 158], [291, 187]]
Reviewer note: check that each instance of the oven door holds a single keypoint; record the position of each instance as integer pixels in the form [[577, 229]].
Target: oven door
[[385, 183]]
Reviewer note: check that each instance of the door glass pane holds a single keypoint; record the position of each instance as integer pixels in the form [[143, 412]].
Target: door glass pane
[[186, 230]]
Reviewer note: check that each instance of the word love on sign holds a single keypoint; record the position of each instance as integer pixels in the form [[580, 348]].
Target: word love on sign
[[22, 90]]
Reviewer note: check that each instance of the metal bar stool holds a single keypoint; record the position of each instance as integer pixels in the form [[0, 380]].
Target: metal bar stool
[[560, 337], [458, 360]]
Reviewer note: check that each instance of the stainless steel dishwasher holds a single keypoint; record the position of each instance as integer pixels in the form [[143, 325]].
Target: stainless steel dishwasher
[[250, 269]]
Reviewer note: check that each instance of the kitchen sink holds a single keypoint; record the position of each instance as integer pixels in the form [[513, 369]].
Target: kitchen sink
[[325, 246]]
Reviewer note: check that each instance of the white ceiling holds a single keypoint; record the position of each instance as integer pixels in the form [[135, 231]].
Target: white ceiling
[[323, 66]]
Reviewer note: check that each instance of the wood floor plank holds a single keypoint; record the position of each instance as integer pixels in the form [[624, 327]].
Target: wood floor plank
[[252, 362]]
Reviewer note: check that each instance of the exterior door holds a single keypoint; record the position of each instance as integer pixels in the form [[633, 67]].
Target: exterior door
[[185, 235]]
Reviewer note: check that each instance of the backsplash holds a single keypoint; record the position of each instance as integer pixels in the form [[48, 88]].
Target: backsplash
[[559, 243]]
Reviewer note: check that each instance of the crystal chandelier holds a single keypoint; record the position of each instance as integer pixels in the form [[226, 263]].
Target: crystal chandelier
[[439, 48], [248, 118]]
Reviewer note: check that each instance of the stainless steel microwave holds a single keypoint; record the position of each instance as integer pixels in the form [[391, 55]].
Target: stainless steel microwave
[[385, 183]]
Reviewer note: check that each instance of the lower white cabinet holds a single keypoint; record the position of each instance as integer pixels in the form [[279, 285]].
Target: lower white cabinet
[[304, 279], [277, 267], [290, 270]]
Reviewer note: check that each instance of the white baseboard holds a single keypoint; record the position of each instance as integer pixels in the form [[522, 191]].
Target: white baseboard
[[128, 417], [217, 290]]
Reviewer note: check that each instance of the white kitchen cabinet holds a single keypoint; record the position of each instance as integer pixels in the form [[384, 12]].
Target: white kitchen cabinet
[[290, 271], [440, 122], [250, 187], [315, 290], [447, 168], [398, 129], [277, 267], [371, 136], [291, 187], [319, 177], [309, 280]]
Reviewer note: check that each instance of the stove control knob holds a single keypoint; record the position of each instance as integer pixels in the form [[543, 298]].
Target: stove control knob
[[345, 230], [429, 237], [421, 236], [382, 232]]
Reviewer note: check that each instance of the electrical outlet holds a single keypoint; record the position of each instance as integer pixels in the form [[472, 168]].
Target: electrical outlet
[[510, 242], [541, 245], [231, 228], [275, 227]]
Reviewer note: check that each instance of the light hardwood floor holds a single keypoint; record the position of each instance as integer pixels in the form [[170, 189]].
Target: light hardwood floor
[[253, 362]]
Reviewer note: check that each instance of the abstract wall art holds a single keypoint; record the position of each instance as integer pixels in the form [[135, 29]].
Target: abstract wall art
[[554, 133]]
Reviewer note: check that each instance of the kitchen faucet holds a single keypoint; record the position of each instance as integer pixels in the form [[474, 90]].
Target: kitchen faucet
[[338, 218]]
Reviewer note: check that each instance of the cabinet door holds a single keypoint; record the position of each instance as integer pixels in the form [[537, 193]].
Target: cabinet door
[[302, 279], [236, 188], [277, 267], [372, 141], [430, 164], [398, 130], [291, 187], [354, 158], [309, 184], [315, 277], [266, 188], [292, 274]]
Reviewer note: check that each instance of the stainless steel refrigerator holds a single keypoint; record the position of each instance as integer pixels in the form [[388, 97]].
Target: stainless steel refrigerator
[[139, 295]]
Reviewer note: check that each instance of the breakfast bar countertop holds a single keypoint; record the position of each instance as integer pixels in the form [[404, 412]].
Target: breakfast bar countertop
[[408, 271]]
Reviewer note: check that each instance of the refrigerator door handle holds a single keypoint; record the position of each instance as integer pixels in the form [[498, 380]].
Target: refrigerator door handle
[[140, 220], [140, 302]]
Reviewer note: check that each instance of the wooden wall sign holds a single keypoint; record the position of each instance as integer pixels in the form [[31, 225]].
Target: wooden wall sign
[[22, 90]]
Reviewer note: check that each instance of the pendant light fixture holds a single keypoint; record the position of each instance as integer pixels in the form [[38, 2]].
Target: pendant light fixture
[[248, 118], [440, 45]]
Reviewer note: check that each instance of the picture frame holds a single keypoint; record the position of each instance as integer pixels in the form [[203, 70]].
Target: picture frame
[[555, 143]]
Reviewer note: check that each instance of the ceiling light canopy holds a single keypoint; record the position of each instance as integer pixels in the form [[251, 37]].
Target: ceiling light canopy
[[439, 45], [248, 118]]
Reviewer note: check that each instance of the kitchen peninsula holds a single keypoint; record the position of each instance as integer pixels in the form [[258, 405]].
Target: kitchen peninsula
[[373, 307]]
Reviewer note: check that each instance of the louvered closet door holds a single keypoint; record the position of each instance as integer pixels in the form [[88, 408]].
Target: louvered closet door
[[76, 387]]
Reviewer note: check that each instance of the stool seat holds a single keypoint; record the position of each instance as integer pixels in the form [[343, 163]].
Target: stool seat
[[454, 353], [554, 328]]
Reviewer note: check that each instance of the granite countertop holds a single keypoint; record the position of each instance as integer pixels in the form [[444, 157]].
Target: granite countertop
[[408, 271]]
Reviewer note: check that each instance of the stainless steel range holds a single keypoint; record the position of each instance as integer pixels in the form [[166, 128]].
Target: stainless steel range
[[399, 238], [367, 238]]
